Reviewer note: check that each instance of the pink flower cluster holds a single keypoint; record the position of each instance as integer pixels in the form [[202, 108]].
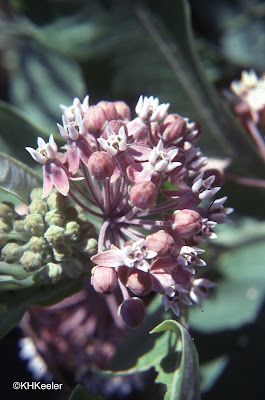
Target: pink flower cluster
[[138, 175]]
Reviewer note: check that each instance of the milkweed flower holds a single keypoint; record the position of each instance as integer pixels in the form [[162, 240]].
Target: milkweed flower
[[150, 236]]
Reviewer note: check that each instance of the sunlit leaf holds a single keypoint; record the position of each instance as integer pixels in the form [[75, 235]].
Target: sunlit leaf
[[16, 178]]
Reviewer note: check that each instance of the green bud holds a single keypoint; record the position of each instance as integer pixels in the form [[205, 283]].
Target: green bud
[[72, 268], [62, 252], [57, 201], [70, 213], [31, 261], [52, 272], [12, 252], [54, 235], [5, 226], [38, 244], [34, 223], [36, 194], [90, 247], [7, 210], [54, 218], [72, 230], [87, 229], [38, 206], [18, 224]]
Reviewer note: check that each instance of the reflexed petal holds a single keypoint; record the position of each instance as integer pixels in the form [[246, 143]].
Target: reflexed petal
[[139, 172], [59, 177], [47, 182], [73, 157], [109, 258]]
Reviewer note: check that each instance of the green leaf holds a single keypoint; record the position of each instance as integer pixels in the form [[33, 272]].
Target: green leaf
[[239, 294], [14, 303], [183, 383], [211, 371], [16, 178], [173, 357], [13, 276], [18, 130], [80, 393]]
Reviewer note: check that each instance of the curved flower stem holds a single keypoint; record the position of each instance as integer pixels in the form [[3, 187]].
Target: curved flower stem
[[113, 309], [124, 291], [82, 205], [94, 190], [257, 137], [106, 197], [147, 223], [241, 180], [88, 198], [102, 235], [119, 192], [132, 234], [158, 209]]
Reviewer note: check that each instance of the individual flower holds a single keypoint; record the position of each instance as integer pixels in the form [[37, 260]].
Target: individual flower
[[76, 108], [114, 143], [54, 172], [149, 109], [172, 296]]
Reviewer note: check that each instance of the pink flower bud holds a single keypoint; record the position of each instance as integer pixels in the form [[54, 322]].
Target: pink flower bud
[[109, 108], [140, 283], [132, 312], [173, 128], [123, 110], [95, 119], [101, 165], [143, 195], [160, 242], [104, 280], [186, 222], [115, 125]]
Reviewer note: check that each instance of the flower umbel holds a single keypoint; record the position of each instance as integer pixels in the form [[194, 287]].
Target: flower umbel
[[149, 236]]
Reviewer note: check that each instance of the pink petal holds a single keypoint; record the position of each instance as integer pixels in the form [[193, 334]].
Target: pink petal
[[139, 172], [47, 182], [59, 177], [84, 150], [73, 157], [109, 258], [140, 152]]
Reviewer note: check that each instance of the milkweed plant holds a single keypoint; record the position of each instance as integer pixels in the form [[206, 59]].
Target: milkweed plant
[[116, 237]]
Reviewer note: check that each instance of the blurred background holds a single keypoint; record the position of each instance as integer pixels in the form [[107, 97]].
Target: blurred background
[[54, 50]]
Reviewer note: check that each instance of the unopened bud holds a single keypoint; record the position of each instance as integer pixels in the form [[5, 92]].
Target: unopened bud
[[186, 222], [54, 235], [38, 206], [62, 252], [52, 272], [7, 210], [173, 128], [109, 108], [72, 230], [140, 282], [132, 312], [123, 110], [160, 242], [101, 165], [12, 252], [31, 261], [36, 194], [54, 217], [115, 125], [90, 247], [143, 195], [38, 244], [18, 224], [104, 279], [34, 223], [5, 226], [95, 119]]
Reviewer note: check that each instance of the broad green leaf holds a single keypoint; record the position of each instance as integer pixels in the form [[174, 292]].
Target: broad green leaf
[[182, 382], [14, 303], [18, 130], [240, 292], [80, 393], [173, 356], [16, 178]]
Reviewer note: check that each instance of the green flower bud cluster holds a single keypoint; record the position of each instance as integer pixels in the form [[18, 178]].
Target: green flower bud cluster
[[54, 237]]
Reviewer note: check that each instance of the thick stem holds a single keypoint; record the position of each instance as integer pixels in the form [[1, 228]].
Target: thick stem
[[102, 235]]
